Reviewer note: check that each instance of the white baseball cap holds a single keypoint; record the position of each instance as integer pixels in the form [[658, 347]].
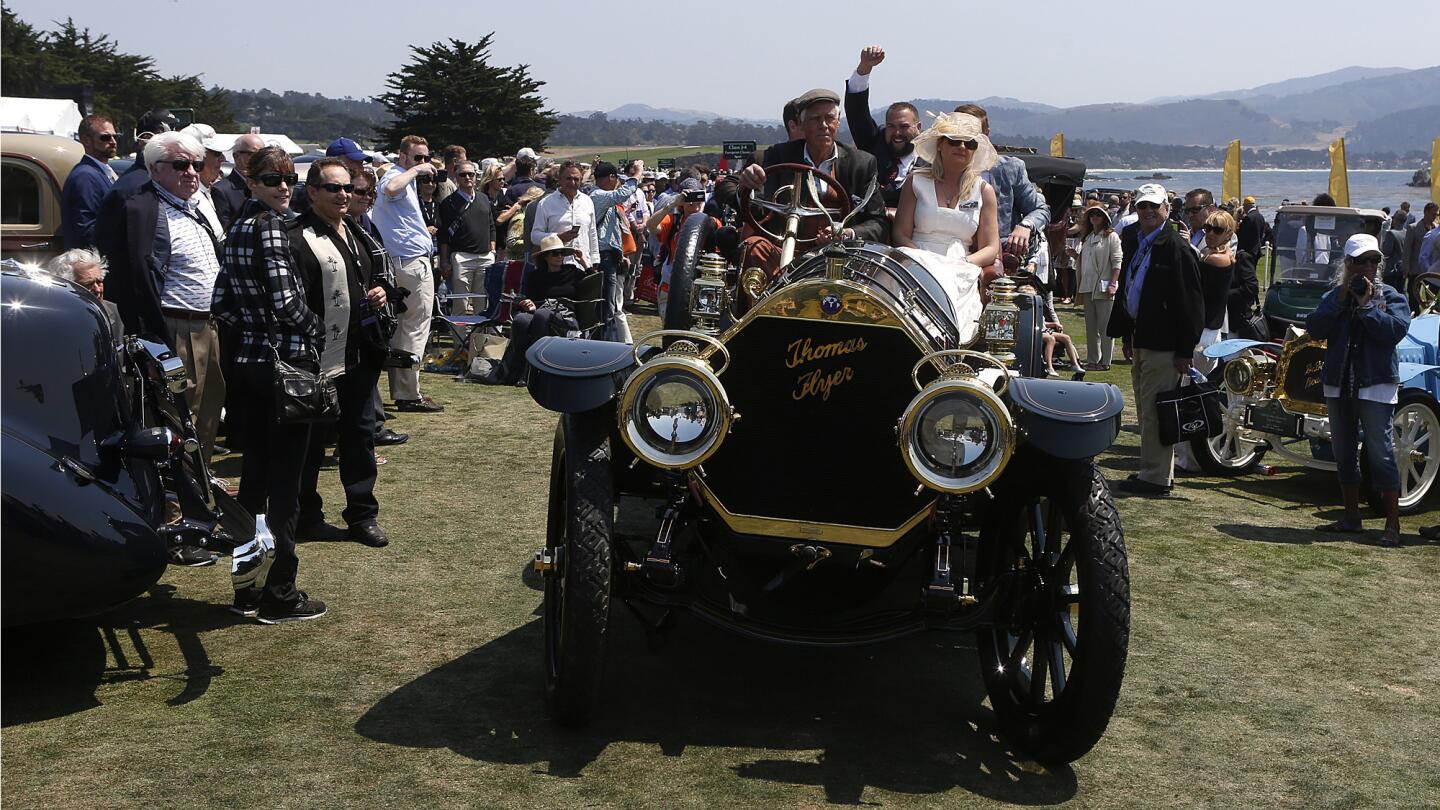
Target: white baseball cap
[[1151, 193], [1360, 244], [205, 134]]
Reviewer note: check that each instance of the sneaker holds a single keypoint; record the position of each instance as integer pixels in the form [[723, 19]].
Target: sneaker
[[192, 557], [300, 610], [247, 602], [421, 405]]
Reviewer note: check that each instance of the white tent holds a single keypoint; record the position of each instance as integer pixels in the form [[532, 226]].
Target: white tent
[[54, 116], [282, 141]]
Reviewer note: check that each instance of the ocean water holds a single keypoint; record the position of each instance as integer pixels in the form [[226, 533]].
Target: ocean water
[[1369, 188]]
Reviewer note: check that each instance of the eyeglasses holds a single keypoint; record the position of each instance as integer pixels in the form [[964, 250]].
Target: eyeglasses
[[1368, 258], [425, 179], [274, 179], [465, 174], [364, 192], [1147, 206], [1215, 229], [105, 136], [336, 188], [180, 165], [829, 119], [418, 159], [968, 143]]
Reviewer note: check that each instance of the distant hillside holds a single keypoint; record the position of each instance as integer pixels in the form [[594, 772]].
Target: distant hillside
[[307, 117], [1290, 87], [1357, 101], [1400, 132]]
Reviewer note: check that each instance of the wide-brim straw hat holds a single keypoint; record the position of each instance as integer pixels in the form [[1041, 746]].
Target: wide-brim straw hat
[[554, 244], [959, 126], [531, 194], [1096, 208]]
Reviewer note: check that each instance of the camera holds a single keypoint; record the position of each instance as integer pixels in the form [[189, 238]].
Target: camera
[[1358, 286], [695, 196], [441, 175]]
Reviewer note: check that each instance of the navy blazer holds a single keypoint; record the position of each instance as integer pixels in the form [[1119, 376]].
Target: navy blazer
[[229, 195], [80, 201], [855, 170]]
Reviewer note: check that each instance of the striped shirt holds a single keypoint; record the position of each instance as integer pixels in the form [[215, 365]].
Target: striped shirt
[[259, 290], [186, 253]]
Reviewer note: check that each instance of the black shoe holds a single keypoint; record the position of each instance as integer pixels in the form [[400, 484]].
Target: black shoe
[[320, 532], [220, 450], [1135, 486], [247, 602], [192, 556], [388, 436], [369, 534], [298, 611], [421, 405]]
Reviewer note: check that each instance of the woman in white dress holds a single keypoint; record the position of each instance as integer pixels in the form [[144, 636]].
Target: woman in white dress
[[946, 208]]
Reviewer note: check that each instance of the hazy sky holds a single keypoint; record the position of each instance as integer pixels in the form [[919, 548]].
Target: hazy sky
[[683, 54]]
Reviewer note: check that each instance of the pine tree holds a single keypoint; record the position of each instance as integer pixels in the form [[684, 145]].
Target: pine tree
[[450, 93]]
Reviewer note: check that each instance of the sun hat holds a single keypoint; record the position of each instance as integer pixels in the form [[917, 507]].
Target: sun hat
[[1151, 193], [531, 194], [552, 244], [205, 134], [1095, 207], [1360, 244], [960, 126]]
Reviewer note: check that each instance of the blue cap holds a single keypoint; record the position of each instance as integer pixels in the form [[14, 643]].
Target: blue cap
[[346, 148]]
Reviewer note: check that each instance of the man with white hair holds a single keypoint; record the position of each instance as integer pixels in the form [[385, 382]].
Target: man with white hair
[[165, 260], [88, 268]]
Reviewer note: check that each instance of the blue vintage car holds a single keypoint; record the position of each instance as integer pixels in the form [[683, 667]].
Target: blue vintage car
[[1275, 403]]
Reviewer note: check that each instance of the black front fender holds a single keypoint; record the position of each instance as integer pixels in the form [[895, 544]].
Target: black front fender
[[574, 375], [1066, 419]]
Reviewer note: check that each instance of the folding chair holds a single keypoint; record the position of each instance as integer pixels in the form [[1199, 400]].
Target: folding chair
[[589, 305]]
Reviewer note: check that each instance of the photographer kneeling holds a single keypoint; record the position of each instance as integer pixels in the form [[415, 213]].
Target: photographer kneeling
[[1363, 320], [345, 267], [536, 313]]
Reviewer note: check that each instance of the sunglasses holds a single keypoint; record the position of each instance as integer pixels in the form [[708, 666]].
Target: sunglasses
[[1147, 206], [418, 159], [181, 165], [425, 179], [274, 179], [364, 192], [336, 188], [1368, 258], [465, 174], [1215, 229], [968, 143], [105, 136]]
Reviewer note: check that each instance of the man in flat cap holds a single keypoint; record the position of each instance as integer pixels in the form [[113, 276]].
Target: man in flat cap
[[819, 116]]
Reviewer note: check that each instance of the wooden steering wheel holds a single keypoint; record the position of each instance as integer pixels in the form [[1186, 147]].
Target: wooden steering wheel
[[1425, 292], [796, 210]]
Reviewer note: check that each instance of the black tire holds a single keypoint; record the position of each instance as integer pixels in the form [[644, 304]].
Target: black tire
[[1415, 431], [577, 592], [696, 234], [1053, 532]]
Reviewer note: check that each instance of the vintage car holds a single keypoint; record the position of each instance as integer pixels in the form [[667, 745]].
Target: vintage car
[[833, 468], [1274, 402], [1309, 248], [93, 449], [33, 170]]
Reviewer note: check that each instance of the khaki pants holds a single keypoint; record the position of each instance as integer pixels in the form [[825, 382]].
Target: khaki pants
[[413, 329], [1152, 373], [197, 343], [467, 275]]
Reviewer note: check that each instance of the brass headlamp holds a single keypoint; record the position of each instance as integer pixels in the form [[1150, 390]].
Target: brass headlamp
[[708, 294], [1000, 321]]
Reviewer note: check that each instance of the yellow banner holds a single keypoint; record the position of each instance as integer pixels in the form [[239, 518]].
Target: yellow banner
[[1230, 184], [1435, 171], [1339, 180], [1057, 145]]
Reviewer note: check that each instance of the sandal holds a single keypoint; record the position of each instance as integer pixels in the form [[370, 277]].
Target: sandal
[[1341, 527], [1389, 539]]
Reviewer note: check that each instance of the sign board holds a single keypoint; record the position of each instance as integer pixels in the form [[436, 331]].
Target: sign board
[[665, 163], [739, 150]]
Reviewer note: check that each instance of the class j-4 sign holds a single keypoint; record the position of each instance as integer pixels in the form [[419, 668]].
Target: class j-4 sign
[[739, 150], [665, 164]]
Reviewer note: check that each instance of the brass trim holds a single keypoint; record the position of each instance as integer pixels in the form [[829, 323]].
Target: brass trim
[[976, 481], [1283, 366], [874, 537], [700, 370], [859, 307]]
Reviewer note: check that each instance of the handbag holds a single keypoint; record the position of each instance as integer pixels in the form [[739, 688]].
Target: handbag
[[1191, 411], [302, 397]]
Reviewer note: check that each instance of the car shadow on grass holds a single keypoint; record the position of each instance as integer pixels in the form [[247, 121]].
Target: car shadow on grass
[[1280, 534], [54, 669], [905, 716]]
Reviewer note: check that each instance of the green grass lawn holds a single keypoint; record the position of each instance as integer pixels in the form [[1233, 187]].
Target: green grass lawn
[[1270, 666], [615, 154]]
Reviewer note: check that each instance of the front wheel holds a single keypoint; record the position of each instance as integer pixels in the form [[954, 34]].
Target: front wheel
[[1054, 661], [1415, 430], [578, 586], [1235, 451]]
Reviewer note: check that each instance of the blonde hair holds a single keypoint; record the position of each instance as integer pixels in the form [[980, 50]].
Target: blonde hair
[[1224, 220]]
